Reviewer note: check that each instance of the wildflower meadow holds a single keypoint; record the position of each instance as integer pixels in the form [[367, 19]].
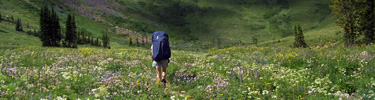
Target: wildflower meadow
[[248, 72]]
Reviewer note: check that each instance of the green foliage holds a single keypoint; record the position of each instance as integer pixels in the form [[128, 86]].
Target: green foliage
[[70, 33], [1, 18], [50, 28], [248, 72], [299, 37], [210, 19], [368, 21], [106, 41], [356, 18], [84, 37], [19, 25]]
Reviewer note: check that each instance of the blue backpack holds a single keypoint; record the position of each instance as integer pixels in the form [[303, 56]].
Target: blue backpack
[[161, 49]]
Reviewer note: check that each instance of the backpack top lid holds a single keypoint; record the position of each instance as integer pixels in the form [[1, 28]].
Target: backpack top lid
[[158, 36], [160, 43]]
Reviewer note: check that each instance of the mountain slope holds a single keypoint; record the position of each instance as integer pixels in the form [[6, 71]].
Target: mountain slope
[[190, 23]]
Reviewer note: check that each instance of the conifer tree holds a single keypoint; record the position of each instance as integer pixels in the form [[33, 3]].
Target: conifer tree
[[74, 30], [368, 21], [70, 33], [19, 25], [299, 37], [106, 42], [44, 36], [1, 18], [348, 13], [296, 40], [55, 29], [50, 27]]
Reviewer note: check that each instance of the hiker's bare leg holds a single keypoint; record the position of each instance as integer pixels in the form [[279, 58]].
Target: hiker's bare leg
[[164, 72], [158, 72]]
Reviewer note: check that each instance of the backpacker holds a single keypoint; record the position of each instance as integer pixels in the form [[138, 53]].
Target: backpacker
[[161, 49]]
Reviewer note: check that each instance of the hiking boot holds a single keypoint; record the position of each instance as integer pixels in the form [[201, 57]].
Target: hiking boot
[[164, 82]]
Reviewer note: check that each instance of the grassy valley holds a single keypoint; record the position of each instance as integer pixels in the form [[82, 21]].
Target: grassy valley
[[202, 23], [199, 68]]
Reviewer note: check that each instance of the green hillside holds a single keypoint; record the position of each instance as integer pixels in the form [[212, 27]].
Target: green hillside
[[267, 22], [220, 50], [189, 23]]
